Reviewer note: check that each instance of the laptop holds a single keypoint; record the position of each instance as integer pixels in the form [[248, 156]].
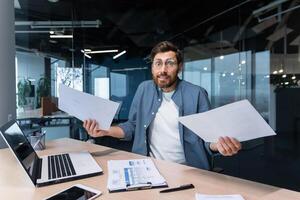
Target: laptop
[[51, 169]]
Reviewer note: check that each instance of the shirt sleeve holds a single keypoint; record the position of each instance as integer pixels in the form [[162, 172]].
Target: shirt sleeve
[[204, 105], [129, 126]]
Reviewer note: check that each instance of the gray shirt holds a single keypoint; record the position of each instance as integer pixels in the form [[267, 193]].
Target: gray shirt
[[189, 98]]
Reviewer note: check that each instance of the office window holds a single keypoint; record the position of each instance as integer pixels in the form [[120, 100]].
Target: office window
[[230, 78], [29, 70], [96, 78], [262, 86], [199, 73], [118, 84], [101, 87]]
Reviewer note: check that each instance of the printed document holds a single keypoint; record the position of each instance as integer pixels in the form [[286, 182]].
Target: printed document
[[239, 120], [219, 197], [124, 174], [86, 106]]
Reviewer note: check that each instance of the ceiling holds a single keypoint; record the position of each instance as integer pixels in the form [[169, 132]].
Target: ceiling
[[136, 25]]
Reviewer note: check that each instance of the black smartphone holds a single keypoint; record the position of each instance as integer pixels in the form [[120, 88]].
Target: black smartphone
[[76, 192]]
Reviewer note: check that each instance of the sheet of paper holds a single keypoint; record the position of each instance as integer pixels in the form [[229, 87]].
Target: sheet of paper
[[86, 106], [219, 197], [239, 120], [124, 173]]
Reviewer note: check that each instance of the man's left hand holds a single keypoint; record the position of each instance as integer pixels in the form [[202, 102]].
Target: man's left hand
[[227, 146]]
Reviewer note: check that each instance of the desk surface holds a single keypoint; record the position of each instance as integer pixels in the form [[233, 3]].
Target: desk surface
[[37, 113], [15, 184]]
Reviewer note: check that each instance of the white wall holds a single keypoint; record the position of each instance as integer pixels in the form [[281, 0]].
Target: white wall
[[7, 63], [30, 66]]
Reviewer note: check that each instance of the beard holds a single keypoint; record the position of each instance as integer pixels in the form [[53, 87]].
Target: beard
[[164, 81]]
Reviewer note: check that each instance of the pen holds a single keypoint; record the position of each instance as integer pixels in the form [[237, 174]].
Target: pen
[[181, 187]]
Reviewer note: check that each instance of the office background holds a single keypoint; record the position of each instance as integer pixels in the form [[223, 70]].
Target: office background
[[235, 49]]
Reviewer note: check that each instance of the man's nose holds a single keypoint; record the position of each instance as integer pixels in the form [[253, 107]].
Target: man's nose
[[163, 68]]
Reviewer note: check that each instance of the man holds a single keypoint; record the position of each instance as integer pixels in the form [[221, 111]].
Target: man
[[153, 118]]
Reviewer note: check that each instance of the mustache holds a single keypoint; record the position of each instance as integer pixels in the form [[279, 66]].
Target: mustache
[[162, 74]]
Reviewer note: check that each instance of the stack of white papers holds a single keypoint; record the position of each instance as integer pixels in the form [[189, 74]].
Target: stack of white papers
[[130, 174], [239, 120], [86, 106], [219, 197]]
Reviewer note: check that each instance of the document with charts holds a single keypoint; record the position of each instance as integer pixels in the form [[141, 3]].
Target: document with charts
[[86, 106], [125, 175]]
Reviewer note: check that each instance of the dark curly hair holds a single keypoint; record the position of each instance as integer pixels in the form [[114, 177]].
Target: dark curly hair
[[166, 46]]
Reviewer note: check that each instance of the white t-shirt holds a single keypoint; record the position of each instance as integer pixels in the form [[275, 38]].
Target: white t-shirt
[[164, 139]]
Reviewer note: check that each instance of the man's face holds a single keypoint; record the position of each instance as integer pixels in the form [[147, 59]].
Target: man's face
[[165, 70]]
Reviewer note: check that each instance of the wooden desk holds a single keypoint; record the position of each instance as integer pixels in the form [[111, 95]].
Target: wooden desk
[[15, 184]]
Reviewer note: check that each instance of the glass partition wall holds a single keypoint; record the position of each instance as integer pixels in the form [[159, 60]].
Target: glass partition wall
[[254, 54]]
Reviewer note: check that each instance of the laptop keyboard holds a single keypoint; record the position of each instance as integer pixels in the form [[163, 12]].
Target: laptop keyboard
[[60, 166]]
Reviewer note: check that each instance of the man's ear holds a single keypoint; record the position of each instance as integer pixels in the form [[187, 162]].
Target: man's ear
[[180, 67]]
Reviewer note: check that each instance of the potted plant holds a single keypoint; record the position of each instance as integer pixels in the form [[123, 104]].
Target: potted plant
[[43, 90], [24, 90]]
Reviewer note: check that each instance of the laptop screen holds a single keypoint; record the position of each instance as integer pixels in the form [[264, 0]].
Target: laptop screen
[[21, 148]]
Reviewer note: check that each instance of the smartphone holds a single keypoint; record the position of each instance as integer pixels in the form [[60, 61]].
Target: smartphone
[[76, 192]]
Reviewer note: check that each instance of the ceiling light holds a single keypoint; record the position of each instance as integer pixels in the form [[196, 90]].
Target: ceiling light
[[60, 24], [231, 73], [286, 83], [280, 71], [294, 77], [205, 68], [283, 76], [223, 74], [88, 56], [119, 54], [53, 41], [61, 36], [243, 62], [103, 51], [275, 72], [51, 32], [222, 57], [85, 50]]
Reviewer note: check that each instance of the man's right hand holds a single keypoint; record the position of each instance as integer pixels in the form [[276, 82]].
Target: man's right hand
[[92, 127]]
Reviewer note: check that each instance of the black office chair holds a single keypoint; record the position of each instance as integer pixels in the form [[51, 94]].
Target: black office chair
[[212, 163]]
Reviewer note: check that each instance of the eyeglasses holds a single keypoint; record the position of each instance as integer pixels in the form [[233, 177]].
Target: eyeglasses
[[170, 63]]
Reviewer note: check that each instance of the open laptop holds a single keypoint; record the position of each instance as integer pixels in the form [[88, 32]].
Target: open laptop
[[50, 169]]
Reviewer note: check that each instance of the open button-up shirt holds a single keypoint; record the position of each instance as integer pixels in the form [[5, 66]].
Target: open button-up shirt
[[189, 98]]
